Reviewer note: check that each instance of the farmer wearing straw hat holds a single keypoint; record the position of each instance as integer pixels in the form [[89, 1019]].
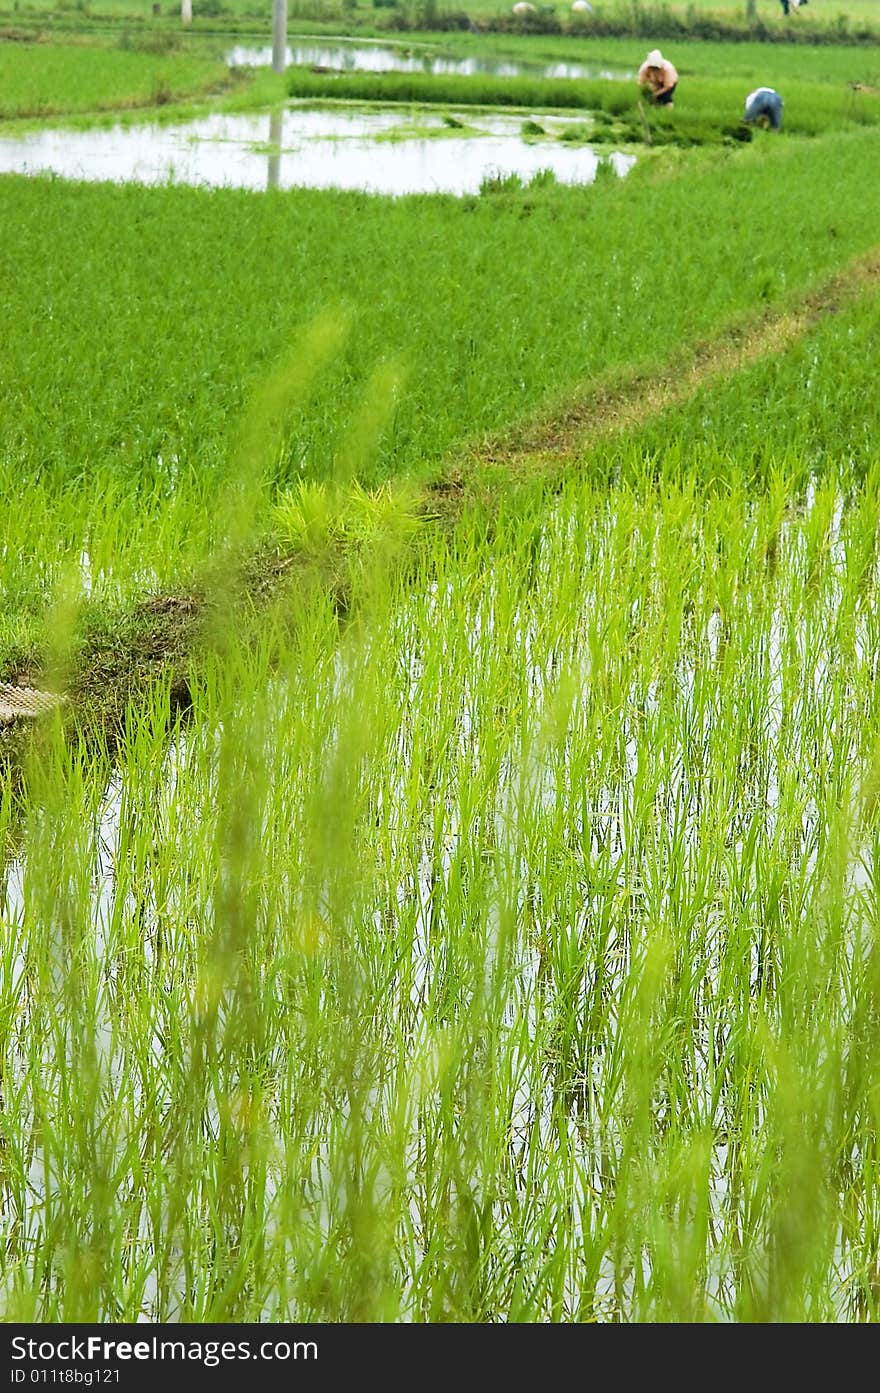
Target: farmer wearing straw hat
[[658, 78]]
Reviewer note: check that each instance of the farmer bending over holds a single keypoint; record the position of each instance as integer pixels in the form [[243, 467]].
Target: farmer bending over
[[764, 105], [658, 78]]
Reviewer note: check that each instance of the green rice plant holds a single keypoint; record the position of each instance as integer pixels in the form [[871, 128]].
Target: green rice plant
[[518, 961], [124, 443], [127, 403], [310, 516], [811, 407], [500, 183], [702, 108], [43, 80], [501, 943]]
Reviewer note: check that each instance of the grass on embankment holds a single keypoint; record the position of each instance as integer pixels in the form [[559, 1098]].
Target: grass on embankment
[[720, 20]]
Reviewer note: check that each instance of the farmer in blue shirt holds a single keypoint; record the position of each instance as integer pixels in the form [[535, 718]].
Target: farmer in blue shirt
[[764, 105]]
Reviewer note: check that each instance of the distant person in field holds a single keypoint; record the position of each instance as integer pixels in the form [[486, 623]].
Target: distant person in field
[[658, 78], [764, 105]]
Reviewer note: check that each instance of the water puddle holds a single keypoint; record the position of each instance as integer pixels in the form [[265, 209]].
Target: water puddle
[[312, 148], [378, 58]]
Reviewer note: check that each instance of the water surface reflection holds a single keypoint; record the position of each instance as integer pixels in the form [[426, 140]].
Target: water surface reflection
[[342, 149], [378, 58]]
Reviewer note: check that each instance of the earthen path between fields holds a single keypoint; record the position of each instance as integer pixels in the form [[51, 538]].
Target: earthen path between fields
[[623, 404]]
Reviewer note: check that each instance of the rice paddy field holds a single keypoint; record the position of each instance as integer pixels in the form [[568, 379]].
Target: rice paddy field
[[445, 885]]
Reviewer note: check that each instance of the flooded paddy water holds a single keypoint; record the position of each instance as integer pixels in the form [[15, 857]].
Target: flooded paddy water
[[341, 56], [300, 147], [365, 149]]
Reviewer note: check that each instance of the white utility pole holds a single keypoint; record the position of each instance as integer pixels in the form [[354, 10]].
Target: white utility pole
[[276, 135], [186, 11], [279, 35]]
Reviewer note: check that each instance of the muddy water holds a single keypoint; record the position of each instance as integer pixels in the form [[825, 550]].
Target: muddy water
[[382, 58], [301, 147]]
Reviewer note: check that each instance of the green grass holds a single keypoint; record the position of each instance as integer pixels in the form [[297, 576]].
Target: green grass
[[519, 961], [477, 919], [220, 322], [42, 80], [123, 439]]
